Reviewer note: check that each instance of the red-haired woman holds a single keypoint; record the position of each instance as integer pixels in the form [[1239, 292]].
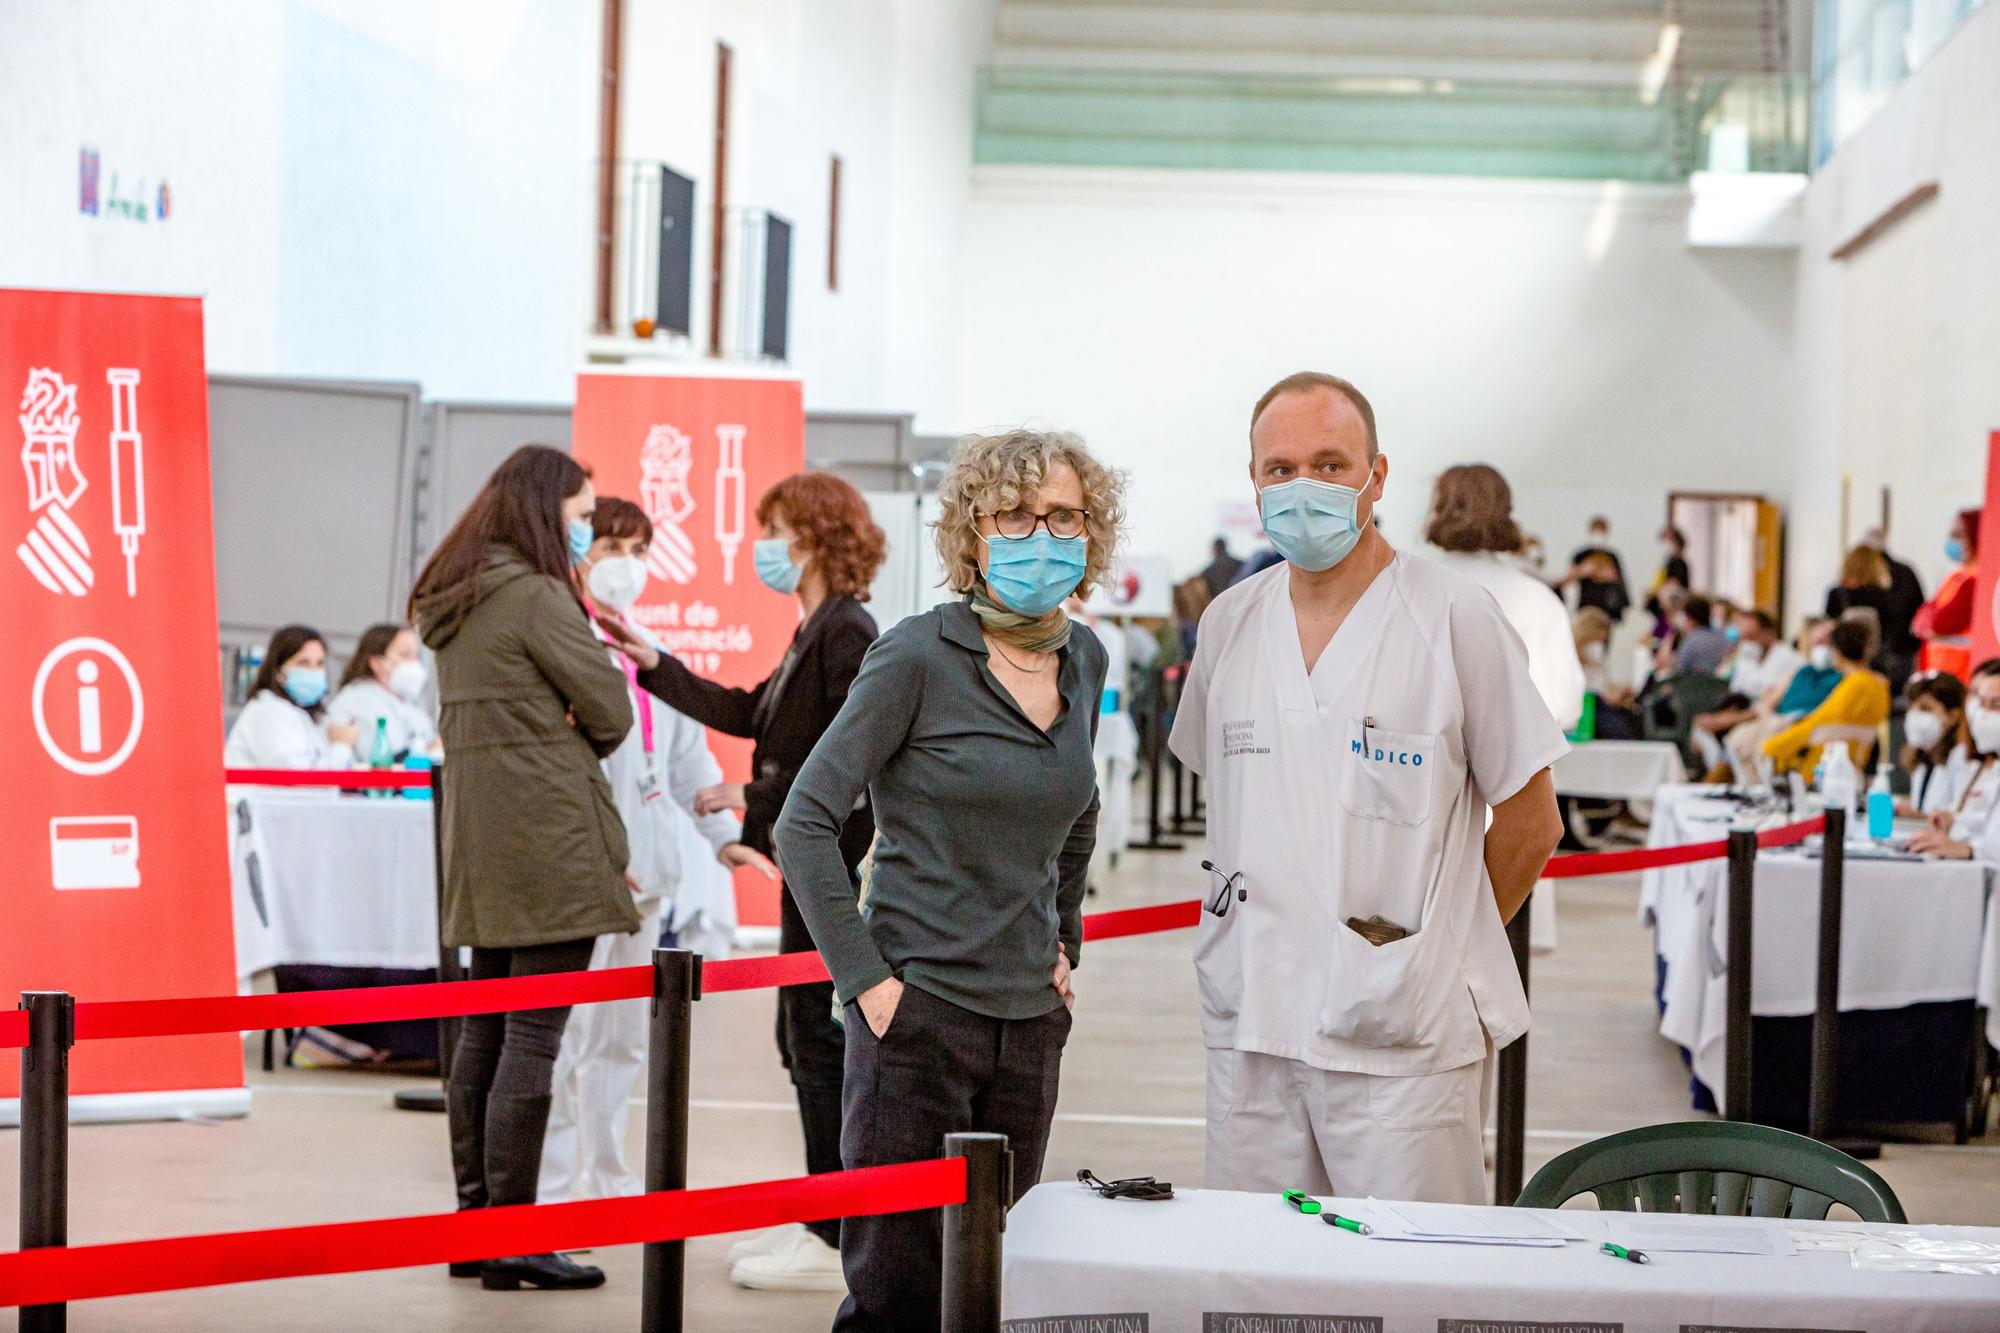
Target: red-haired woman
[[821, 546]]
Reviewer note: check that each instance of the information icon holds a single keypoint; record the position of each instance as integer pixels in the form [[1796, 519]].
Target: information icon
[[79, 708]]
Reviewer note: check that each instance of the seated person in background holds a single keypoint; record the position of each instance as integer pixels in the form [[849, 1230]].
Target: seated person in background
[[1665, 607], [1617, 719], [1936, 760], [1965, 827], [280, 726], [382, 683], [1701, 648], [1810, 685], [1860, 700], [1722, 617], [1763, 668]]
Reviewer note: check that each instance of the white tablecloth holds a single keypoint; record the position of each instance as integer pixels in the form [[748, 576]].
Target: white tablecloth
[[346, 882], [1619, 770], [1911, 933], [1076, 1263]]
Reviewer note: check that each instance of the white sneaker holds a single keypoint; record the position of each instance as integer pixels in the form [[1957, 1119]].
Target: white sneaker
[[762, 1242], [800, 1263]]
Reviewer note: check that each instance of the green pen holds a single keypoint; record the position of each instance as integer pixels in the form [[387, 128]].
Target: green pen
[[1620, 1252], [1302, 1201], [1347, 1224]]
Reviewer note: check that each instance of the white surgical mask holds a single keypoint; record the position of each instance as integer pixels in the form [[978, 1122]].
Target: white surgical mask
[[407, 679], [1593, 653], [616, 581], [1822, 656], [1750, 652], [1924, 729], [1984, 723]]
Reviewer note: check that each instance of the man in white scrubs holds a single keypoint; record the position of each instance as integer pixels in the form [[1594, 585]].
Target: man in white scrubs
[[1354, 712]]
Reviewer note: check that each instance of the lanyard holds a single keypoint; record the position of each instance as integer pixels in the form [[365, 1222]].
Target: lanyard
[[645, 704]]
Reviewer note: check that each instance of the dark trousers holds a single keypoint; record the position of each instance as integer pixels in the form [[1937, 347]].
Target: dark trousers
[[502, 1071], [938, 1070], [809, 1043]]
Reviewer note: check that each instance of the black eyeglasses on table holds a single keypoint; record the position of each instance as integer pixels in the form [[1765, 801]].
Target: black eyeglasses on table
[[1143, 1188]]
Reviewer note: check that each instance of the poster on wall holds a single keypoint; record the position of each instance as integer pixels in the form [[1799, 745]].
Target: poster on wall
[[116, 884], [696, 452]]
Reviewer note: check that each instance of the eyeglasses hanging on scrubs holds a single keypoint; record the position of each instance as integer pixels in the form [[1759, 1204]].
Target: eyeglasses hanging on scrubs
[[1039, 559], [1313, 524], [1223, 888]]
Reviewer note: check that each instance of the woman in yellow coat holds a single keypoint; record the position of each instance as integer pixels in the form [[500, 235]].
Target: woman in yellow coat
[[1860, 700]]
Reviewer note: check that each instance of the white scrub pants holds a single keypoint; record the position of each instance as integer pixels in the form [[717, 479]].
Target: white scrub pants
[[1276, 1124], [603, 1054]]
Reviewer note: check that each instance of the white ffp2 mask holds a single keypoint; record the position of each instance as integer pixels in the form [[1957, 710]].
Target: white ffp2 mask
[[617, 581]]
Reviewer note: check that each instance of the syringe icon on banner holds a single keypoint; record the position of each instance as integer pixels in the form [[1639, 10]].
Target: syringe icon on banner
[[128, 472], [729, 496]]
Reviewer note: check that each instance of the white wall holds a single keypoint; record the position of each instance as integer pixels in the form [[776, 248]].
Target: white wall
[[1900, 345], [359, 187], [1563, 333]]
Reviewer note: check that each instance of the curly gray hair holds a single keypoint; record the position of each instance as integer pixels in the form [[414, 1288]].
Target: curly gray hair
[[994, 473]]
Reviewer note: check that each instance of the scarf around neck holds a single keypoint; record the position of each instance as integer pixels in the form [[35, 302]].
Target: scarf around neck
[[1030, 634]]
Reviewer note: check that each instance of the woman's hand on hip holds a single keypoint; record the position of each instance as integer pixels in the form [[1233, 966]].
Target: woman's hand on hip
[[879, 1004], [740, 856], [627, 641], [722, 796], [1059, 978]]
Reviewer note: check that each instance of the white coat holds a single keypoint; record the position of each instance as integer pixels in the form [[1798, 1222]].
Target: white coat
[[1543, 623], [654, 776], [274, 732], [367, 701], [1359, 789]]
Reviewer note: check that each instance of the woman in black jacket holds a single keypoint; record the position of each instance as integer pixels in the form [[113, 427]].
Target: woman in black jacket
[[821, 546]]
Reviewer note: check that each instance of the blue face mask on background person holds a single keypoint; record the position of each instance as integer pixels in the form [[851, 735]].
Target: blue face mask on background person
[[1033, 575], [776, 569], [1954, 550], [581, 534], [305, 686], [1313, 524], [1731, 633]]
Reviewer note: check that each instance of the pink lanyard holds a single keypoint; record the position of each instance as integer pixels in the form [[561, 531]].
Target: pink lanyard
[[645, 702]]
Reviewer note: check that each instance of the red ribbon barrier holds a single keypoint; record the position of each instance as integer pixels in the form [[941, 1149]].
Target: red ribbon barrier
[[1142, 920], [75, 1273], [347, 779], [13, 1028], [785, 969]]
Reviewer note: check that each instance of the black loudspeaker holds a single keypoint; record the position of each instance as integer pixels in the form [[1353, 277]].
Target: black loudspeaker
[[777, 284], [676, 264]]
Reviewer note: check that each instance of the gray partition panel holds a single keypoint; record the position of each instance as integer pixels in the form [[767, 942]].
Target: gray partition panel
[[467, 441], [312, 482]]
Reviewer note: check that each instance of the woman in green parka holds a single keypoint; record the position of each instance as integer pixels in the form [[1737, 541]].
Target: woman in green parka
[[534, 851]]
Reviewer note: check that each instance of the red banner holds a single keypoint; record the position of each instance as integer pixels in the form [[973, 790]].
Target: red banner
[[117, 883], [696, 454]]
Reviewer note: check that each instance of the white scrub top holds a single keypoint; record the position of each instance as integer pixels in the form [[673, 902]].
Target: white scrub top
[[1973, 800], [1935, 787], [1540, 618], [363, 702], [1361, 790], [274, 732], [1774, 669]]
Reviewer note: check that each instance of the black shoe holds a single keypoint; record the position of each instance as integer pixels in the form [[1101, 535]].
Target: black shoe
[[465, 1112], [549, 1272], [470, 1268]]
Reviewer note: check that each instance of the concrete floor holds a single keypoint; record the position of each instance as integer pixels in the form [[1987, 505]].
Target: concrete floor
[[326, 1146]]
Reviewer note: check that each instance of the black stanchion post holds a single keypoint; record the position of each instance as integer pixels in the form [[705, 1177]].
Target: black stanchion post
[[971, 1297], [1510, 1122], [433, 1099], [1742, 900], [676, 986], [45, 1137], [1823, 1106], [1179, 822], [1156, 737]]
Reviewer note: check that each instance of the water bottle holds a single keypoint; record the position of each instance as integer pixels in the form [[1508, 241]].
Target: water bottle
[[417, 762], [1838, 784], [380, 757], [1881, 806]]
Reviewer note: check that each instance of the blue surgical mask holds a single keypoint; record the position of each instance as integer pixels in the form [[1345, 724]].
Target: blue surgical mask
[[1954, 550], [1313, 524], [581, 535], [1731, 633], [775, 567], [1033, 575], [305, 686]]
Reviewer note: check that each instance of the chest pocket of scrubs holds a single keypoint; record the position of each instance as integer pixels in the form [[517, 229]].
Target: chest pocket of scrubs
[[1386, 775]]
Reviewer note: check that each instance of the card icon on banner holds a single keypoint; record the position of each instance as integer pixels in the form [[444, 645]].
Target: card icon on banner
[[94, 852]]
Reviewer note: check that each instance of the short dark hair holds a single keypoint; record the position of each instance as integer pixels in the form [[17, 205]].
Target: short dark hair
[[1472, 509], [1677, 537], [1697, 608], [1852, 640], [375, 642], [1764, 620], [1303, 380], [619, 519]]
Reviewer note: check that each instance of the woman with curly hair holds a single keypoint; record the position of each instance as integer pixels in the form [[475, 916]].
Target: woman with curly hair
[[820, 546], [971, 727]]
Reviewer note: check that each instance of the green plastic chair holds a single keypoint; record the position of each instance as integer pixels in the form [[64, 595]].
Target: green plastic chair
[[1694, 693], [1719, 1168]]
